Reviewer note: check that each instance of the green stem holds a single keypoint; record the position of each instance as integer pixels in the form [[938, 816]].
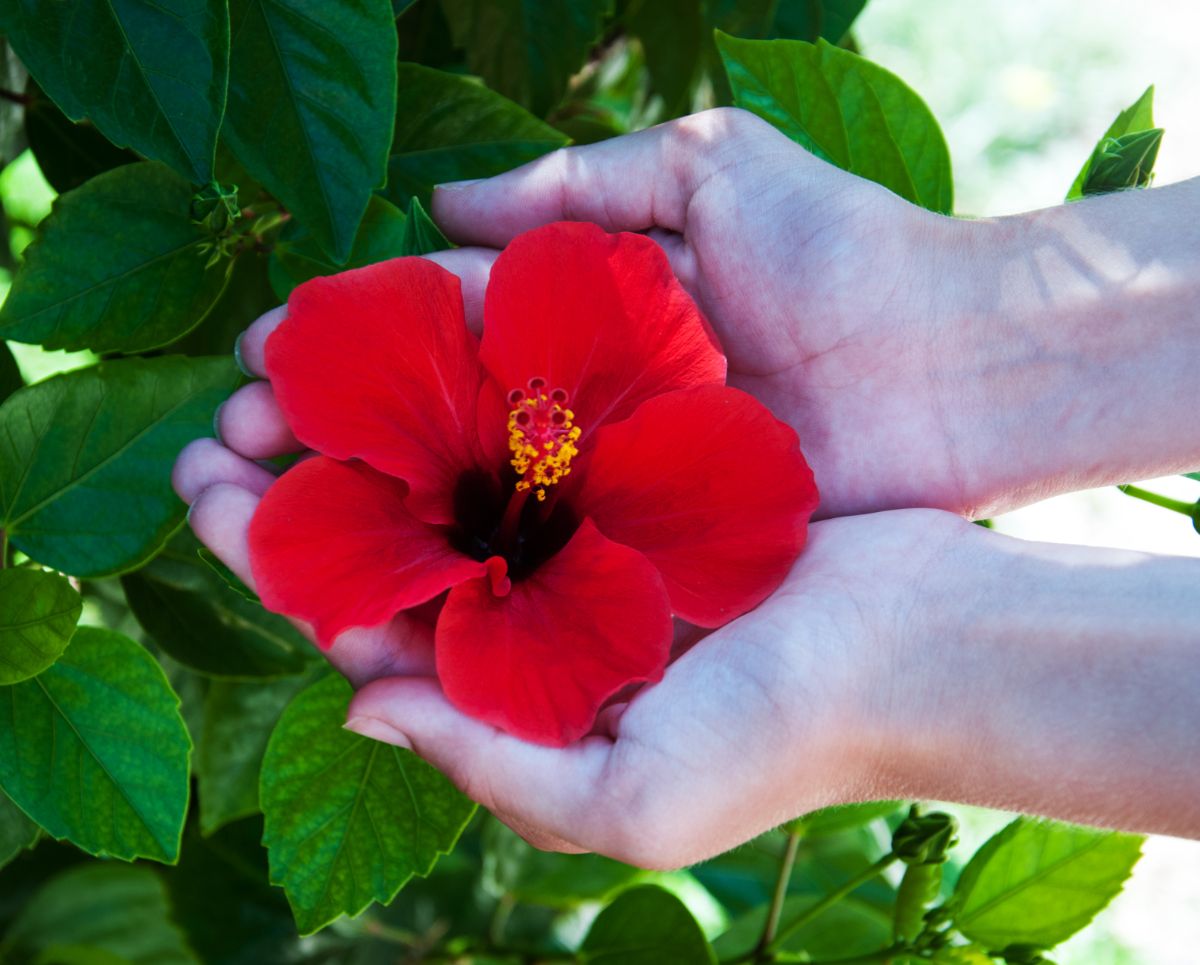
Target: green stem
[[781, 886], [500, 915], [831, 899], [1166, 502]]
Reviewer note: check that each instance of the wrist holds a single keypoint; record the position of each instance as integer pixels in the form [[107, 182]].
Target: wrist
[[1053, 680], [1064, 347]]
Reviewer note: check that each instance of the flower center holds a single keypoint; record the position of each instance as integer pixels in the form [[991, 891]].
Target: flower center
[[541, 435]]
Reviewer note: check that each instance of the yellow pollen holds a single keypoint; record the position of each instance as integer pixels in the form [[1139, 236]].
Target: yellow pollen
[[541, 436]]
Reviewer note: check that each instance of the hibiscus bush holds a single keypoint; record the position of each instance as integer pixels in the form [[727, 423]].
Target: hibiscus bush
[[176, 782]]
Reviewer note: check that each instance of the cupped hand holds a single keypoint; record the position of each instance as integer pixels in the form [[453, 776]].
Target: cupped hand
[[828, 292]]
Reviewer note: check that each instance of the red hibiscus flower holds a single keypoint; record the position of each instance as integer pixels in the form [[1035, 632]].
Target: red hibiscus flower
[[573, 479]]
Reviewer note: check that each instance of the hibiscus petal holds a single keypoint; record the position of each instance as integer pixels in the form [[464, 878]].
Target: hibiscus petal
[[333, 544], [540, 661], [712, 489], [597, 314], [377, 364]]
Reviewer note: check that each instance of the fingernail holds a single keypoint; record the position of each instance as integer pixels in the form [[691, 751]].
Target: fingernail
[[217, 422], [377, 729], [237, 357], [457, 185]]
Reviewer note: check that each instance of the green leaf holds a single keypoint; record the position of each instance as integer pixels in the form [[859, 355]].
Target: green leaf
[[117, 266], [810, 19], [38, 613], [100, 755], [841, 817], [513, 867], [297, 256], [68, 153], [421, 235], [86, 457], [1193, 475], [17, 832], [238, 719], [452, 128], [151, 76], [228, 577], [208, 626], [1138, 116], [850, 927], [646, 925], [528, 50], [1123, 162], [1039, 882], [845, 109], [348, 820], [312, 99], [10, 375], [119, 909]]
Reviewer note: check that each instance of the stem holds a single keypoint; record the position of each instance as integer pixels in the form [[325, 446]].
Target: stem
[[15, 98], [831, 899], [500, 915], [1166, 502], [781, 887]]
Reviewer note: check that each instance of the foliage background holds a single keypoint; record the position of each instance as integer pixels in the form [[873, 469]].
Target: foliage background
[[1021, 92]]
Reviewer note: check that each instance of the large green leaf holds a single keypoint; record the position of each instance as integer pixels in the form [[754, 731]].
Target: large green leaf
[[114, 908], [421, 235], [207, 625], [646, 925], [99, 754], [10, 375], [527, 49], [17, 832], [86, 457], [1039, 882], [1137, 117], [312, 99], [297, 256], [452, 128], [238, 720], [845, 109], [67, 153], [117, 266], [38, 612], [810, 19], [151, 76], [348, 820]]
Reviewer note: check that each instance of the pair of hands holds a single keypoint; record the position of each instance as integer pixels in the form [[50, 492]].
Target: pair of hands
[[821, 287]]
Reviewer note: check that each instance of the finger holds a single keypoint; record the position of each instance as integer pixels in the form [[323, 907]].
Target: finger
[[205, 462], [629, 183], [550, 789], [220, 516], [251, 346], [251, 423], [473, 266]]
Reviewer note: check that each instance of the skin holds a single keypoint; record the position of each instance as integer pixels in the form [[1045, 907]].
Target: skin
[[964, 366]]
